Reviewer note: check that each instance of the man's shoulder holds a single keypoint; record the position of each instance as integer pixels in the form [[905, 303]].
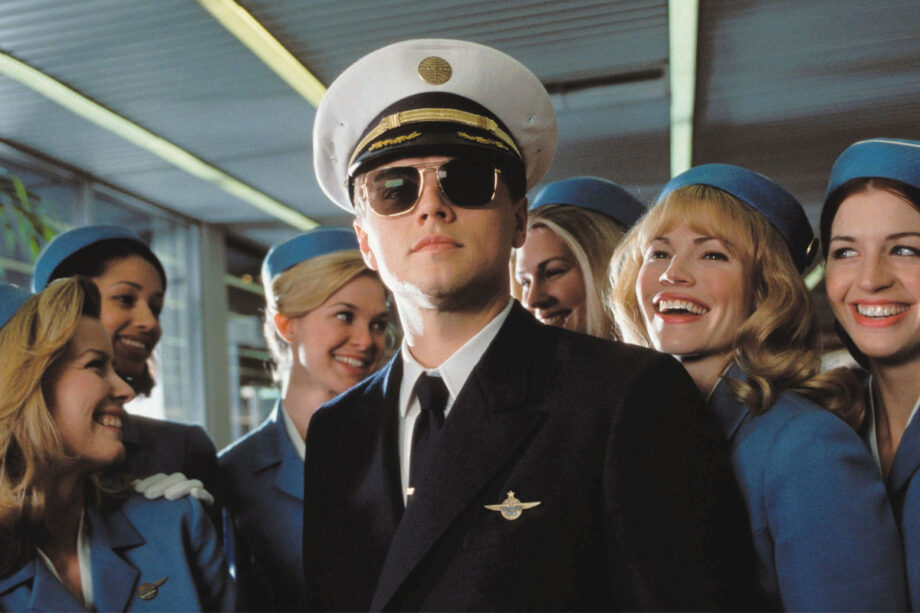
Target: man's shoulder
[[584, 356]]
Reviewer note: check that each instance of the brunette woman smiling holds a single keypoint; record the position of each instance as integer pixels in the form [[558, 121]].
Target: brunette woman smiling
[[870, 226]]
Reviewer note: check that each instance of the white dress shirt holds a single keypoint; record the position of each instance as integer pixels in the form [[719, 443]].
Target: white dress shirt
[[455, 371]]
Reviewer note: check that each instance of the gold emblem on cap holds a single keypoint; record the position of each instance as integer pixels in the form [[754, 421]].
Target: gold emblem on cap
[[482, 140], [511, 508], [435, 70], [148, 591], [387, 142]]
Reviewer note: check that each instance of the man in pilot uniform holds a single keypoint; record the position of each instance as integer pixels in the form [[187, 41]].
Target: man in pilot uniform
[[494, 463]]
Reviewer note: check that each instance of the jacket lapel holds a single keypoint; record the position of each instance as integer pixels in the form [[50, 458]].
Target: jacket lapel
[[111, 533], [728, 412], [280, 450], [48, 594], [485, 428], [906, 460]]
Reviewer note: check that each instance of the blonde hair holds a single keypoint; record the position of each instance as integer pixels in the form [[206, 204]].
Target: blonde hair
[[32, 452], [778, 345], [302, 288], [591, 237]]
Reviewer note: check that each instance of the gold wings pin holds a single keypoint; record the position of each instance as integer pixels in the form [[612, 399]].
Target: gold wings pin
[[511, 508]]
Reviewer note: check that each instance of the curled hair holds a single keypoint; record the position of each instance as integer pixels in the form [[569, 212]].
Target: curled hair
[[302, 288], [591, 237], [778, 345], [93, 260], [32, 452]]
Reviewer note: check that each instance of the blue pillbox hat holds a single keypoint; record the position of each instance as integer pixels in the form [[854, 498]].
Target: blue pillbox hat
[[11, 298], [304, 247], [777, 206], [595, 194], [68, 243], [887, 158]]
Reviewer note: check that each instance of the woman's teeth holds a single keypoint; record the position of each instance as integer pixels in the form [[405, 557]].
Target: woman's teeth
[[133, 343], [880, 310], [665, 306], [554, 320], [112, 421], [351, 361]]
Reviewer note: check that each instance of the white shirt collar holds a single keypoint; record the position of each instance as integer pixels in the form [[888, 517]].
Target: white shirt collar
[[300, 446], [456, 369]]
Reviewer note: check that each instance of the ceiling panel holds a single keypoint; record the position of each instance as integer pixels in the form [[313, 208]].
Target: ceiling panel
[[782, 87]]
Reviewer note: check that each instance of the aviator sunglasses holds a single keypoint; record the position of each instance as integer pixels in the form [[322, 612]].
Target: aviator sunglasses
[[396, 190]]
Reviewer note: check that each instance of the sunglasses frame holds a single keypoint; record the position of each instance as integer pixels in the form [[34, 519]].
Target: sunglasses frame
[[422, 169]]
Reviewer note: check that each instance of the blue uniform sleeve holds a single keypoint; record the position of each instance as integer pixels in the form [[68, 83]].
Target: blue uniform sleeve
[[216, 589], [836, 545]]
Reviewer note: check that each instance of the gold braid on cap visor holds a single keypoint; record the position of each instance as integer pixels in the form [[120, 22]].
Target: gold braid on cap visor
[[402, 118]]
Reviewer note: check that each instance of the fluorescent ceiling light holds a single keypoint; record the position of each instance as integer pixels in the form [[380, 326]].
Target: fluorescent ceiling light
[[683, 16], [101, 116], [260, 41]]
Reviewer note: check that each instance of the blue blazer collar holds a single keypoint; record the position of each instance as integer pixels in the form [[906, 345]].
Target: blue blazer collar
[[907, 458], [280, 449], [47, 593], [727, 410], [109, 534]]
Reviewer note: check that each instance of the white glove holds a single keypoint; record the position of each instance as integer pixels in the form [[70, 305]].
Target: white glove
[[172, 487]]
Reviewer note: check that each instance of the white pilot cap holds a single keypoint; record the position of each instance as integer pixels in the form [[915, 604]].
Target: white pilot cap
[[429, 96]]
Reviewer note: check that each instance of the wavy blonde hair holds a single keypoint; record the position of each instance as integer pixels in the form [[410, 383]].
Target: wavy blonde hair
[[302, 288], [778, 345], [591, 237], [32, 452]]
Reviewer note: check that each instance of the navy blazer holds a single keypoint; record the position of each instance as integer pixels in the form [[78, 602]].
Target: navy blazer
[[264, 497], [904, 494], [824, 532], [140, 541], [638, 509], [158, 446]]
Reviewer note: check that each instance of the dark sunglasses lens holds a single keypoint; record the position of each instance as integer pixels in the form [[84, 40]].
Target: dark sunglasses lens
[[468, 182], [391, 191]]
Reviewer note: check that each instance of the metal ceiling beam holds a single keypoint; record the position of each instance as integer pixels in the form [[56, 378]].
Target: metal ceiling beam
[[266, 47], [107, 119]]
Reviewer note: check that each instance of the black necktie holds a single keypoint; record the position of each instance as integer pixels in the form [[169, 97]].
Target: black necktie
[[432, 397]]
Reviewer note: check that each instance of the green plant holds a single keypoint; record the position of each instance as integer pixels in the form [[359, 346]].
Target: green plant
[[23, 218]]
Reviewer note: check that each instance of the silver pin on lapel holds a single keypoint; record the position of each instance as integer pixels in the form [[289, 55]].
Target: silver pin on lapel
[[511, 508], [148, 591]]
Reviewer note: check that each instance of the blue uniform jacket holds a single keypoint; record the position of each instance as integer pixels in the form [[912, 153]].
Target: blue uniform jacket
[[824, 533], [141, 541], [264, 494], [904, 493]]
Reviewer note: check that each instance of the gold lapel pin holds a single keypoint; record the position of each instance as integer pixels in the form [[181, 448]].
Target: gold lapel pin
[[511, 508], [148, 591]]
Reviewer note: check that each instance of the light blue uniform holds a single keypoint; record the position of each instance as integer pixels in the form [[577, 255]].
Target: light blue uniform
[[263, 476], [824, 532], [141, 541], [904, 493]]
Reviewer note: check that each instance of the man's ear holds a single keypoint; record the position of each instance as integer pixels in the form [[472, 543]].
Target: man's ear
[[520, 223], [283, 324], [364, 246]]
